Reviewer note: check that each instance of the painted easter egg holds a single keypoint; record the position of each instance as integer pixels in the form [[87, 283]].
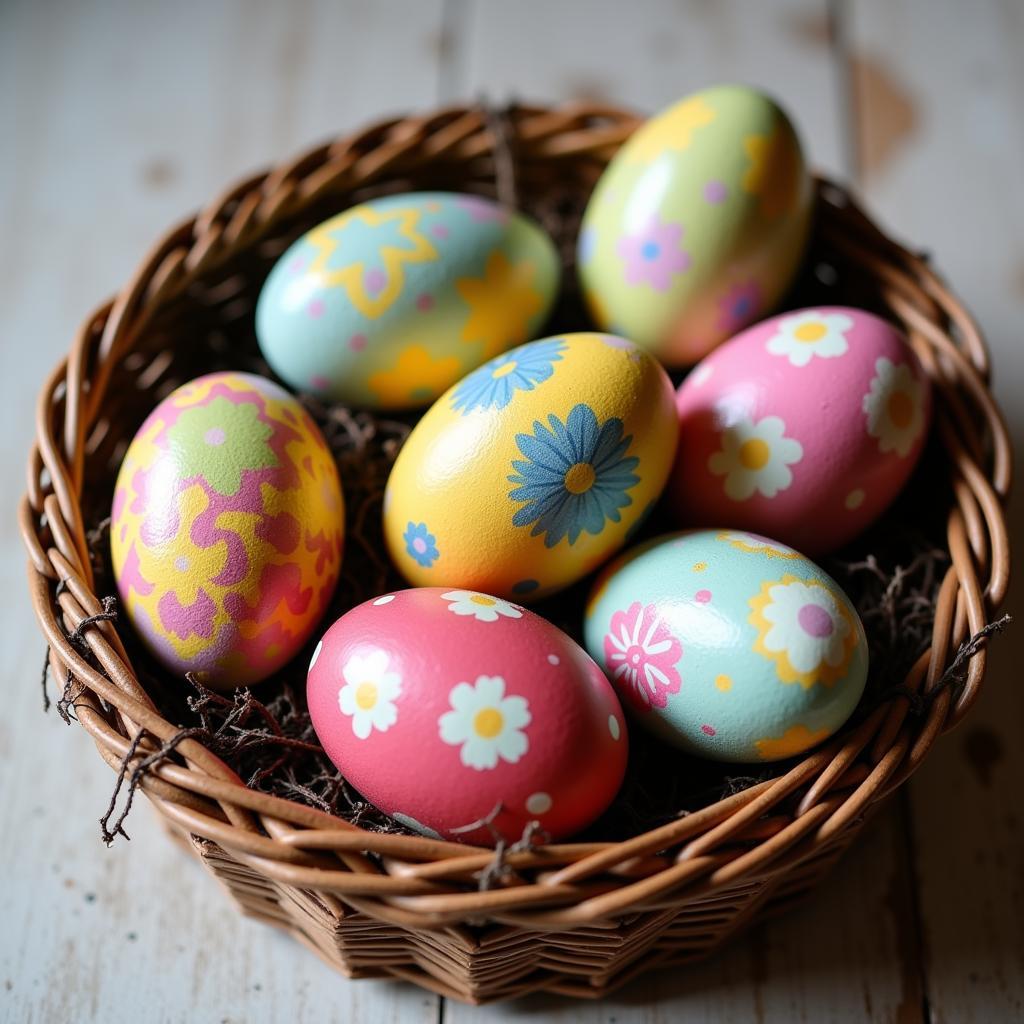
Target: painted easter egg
[[226, 529], [803, 427], [387, 304], [698, 224], [532, 470], [451, 708], [728, 645]]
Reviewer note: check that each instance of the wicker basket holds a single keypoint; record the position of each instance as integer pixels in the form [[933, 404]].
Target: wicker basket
[[575, 918]]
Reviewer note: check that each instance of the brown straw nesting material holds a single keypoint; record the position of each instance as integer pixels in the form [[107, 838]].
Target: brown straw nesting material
[[690, 851]]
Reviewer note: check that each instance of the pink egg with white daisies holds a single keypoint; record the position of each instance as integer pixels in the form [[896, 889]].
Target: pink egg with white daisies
[[466, 717], [803, 427]]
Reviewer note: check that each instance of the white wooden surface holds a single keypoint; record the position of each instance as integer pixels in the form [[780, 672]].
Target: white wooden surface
[[117, 117]]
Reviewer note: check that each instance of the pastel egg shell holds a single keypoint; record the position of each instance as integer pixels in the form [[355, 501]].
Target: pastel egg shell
[[728, 645], [227, 529], [532, 470], [804, 427], [388, 303], [440, 706], [698, 225]]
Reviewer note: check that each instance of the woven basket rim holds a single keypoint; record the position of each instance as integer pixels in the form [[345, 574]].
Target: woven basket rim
[[761, 833]]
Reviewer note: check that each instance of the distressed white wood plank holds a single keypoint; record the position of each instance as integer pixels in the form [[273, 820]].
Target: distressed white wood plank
[[647, 54], [118, 119], [940, 88]]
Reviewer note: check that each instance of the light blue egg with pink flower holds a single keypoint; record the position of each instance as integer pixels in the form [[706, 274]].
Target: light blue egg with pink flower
[[728, 645]]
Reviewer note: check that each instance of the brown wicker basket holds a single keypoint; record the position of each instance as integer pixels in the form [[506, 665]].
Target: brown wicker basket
[[576, 918]]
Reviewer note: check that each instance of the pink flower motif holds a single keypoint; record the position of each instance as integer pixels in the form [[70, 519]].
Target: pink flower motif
[[740, 306], [654, 254], [641, 655]]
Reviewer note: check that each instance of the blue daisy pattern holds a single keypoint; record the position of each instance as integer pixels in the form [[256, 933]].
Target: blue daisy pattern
[[574, 475], [421, 544], [493, 384]]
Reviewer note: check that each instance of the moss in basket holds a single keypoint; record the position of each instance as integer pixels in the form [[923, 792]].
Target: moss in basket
[[267, 737]]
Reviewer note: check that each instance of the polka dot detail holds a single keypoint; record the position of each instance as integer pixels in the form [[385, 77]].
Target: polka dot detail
[[316, 308], [613, 727], [374, 280], [708, 730], [854, 499], [357, 342], [525, 586], [386, 599], [553, 659], [715, 192], [699, 566], [723, 683], [702, 597], [538, 803]]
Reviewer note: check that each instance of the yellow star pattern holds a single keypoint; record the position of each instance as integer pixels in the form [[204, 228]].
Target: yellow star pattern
[[795, 740], [672, 130], [501, 303], [325, 240], [774, 173], [415, 375]]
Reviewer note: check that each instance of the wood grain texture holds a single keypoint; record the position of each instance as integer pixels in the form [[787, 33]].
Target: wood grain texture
[[647, 55], [942, 145], [119, 117]]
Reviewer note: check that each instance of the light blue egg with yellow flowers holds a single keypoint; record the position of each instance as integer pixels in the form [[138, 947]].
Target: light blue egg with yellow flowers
[[728, 645], [388, 303]]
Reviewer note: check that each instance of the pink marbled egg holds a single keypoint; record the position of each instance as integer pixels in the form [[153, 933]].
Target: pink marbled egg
[[448, 707], [803, 427]]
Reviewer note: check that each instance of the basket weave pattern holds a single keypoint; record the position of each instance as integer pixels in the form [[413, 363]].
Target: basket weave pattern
[[577, 918]]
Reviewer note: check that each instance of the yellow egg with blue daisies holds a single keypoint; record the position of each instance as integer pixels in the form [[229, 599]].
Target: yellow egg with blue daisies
[[531, 471], [388, 303]]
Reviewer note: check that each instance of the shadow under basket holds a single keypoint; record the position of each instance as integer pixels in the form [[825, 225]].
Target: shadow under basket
[[578, 918]]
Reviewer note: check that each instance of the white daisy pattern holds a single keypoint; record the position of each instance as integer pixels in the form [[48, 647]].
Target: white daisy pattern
[[481, 606], [486, 724], [802, 627], [810, 333], [755, 457], [369, 694], [894, 407]]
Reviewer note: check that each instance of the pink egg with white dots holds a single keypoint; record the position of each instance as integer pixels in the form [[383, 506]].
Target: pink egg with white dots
[[466, 717], [803, 427]]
